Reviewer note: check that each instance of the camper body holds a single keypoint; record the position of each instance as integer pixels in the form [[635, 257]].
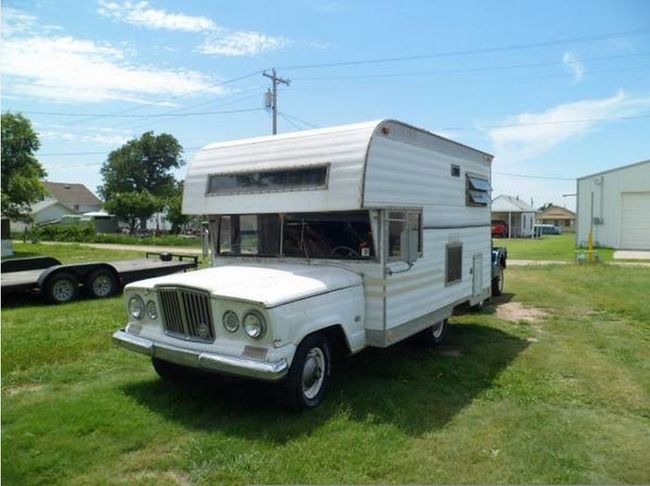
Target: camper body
[[338, 238]]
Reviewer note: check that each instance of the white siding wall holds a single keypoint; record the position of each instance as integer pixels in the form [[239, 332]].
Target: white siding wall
[[608, 203]]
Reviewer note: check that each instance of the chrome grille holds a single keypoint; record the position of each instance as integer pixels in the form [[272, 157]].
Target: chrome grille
[[186, 313]]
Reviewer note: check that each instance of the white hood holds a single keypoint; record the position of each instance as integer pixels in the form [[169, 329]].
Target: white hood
[[268, 285]]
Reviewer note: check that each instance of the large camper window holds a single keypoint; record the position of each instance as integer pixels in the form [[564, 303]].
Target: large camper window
[[397, 221], [343, 235], [478, 191], [299, 178]]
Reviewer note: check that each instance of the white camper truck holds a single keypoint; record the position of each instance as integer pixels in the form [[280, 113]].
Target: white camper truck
[[322, 240]]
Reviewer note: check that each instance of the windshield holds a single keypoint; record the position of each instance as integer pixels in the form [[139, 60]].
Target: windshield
[[343, 235]]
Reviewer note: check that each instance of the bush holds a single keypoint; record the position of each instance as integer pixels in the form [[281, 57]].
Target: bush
[[64, 232]]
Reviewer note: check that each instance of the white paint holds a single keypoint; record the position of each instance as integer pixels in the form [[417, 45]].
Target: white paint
[[619, 203]]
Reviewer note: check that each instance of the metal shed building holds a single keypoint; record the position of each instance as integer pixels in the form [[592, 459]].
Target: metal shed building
[[615, 205]]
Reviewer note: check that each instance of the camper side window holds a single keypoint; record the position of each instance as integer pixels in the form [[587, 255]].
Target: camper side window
[[397, 221], [478, 190]]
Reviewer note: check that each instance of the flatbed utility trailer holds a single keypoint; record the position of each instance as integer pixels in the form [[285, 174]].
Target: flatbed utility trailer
[[59, 283]]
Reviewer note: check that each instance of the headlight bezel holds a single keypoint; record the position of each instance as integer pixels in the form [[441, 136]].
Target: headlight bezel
[[136, 299], [262, 327], [151, 304], [224, 318]]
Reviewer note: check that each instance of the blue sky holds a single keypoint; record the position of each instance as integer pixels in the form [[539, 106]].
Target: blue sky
[[554, 89]]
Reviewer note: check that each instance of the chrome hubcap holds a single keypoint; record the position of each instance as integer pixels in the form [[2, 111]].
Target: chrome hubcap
[[63, 290], [102, 286], [313, 373], [437, 329]]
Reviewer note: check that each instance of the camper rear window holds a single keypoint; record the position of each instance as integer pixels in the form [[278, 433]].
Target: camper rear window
[[300, 178], [478, 191]]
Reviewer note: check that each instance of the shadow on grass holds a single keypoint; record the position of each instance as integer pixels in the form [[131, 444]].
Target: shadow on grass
[[416, 389]]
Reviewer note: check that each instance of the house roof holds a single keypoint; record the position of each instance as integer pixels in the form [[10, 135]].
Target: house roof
[[556, 212], [509, 204], [70, 194]]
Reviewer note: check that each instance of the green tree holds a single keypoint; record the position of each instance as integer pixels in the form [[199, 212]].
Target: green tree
[[142, 164], [134, 207], [22, 173]]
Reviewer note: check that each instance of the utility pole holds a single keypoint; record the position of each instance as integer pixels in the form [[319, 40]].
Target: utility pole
[[274, 96]]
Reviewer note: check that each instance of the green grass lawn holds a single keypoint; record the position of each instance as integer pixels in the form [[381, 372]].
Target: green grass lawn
[[549, 247], [563, 400], [73, 253]]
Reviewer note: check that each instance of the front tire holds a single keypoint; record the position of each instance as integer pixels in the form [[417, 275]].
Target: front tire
[[169, 371], [308, 378]]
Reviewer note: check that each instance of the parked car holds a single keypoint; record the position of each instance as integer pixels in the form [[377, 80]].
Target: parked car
[[324, 242], [547, 229], [499, 229]]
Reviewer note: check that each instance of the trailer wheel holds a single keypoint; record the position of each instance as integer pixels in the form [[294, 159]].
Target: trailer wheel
[[309, 375], [61, 288], [434, 335], [101, 284], [497, 283]]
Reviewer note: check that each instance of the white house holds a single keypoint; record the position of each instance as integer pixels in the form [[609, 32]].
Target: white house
[[62, 199], [615, 206], [519, 215]]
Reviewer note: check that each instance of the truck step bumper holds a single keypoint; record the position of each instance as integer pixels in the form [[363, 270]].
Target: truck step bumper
[[218, 363]]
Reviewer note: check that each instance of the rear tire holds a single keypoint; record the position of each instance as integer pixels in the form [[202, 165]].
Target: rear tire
[[497, 283], [434, 335], [306, 383], [61, 288], [101, 284]]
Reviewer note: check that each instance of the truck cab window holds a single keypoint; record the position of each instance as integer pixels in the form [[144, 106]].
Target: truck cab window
[[328, 235]]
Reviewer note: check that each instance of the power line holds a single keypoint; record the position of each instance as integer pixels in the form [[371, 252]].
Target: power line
[[176, 97], [151, 115], [512, 125], [288, 120], [483, 50], [306, 123], [535, 176], [468, 70]]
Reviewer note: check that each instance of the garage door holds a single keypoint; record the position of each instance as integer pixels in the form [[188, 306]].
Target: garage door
[[635, 221]]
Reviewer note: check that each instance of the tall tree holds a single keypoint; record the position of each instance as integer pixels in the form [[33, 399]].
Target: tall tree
[[22, 173], [133, 207], [174, 210], [142, 164]]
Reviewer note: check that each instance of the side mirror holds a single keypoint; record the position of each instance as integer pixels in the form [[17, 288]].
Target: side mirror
[[409, 245], [205, 241]]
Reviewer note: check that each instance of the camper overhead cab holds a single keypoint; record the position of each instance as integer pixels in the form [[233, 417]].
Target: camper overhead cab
[[323, 241]]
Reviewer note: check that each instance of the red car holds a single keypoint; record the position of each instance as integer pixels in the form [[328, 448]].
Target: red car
[[499, 229]]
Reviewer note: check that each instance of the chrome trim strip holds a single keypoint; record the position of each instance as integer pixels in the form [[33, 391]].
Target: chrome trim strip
[[262, 370]]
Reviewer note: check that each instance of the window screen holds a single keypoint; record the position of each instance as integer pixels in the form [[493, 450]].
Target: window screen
[[301, 178], [454, 263], [478, 191]]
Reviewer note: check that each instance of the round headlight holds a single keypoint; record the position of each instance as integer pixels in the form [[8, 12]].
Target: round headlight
[[254, 325], [152, 310], [136, 307], [230, 321]]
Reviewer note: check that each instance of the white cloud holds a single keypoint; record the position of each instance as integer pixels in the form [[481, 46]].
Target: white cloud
[[576, 67], [63, 68], [240, 43], [100, 137], [528, 135], [143, 15], [328, 6]]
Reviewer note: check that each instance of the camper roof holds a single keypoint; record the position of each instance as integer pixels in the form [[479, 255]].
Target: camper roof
[[312, 170]]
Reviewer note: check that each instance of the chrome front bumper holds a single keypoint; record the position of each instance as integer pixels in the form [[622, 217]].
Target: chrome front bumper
[[219, 363]]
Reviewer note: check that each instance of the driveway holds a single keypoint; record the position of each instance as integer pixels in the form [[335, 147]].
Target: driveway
[[631, 255]]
